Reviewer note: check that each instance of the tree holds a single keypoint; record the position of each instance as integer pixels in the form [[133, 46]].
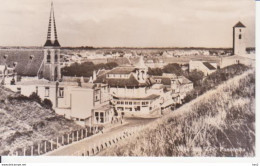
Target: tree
[[173, 68], [155, 71], [86, 69], [196, 77], [47, 103]]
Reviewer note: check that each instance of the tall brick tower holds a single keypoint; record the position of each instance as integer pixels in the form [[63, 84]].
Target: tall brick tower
[[239, 42]]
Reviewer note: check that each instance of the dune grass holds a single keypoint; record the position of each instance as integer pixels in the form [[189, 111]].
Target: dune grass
[[221, 122]]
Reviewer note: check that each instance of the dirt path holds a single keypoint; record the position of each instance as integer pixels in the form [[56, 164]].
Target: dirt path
[[77, 148]]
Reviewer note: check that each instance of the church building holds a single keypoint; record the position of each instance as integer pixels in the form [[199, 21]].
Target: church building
[[40, 72]]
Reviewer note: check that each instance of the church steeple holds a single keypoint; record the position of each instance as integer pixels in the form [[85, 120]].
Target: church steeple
[[51, 69], [52, 37]]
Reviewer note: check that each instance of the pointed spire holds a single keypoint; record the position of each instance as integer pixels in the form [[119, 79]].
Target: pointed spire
[[52, 37]]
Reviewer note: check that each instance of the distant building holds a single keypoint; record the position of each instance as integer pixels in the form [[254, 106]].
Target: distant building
[[131, 89], [7, 74], [178, 85], [24, 63], [240, 55], [206, 67], [239, 40]]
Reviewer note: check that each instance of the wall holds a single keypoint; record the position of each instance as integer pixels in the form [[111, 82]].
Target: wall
[[239, 44], [81, 103], [124, 92]]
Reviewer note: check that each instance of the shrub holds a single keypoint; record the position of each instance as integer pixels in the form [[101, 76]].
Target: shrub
[[34, 97], [173, 68], [213, 79], [18, 98], [47, 103]]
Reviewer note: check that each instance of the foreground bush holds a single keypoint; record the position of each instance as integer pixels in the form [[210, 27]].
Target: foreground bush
[[219, 123]]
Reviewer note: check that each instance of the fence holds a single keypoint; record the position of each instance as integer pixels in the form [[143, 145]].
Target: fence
[[108, 142], [50, 145]]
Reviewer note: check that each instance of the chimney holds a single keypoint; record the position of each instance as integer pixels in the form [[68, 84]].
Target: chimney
[[94, 75]]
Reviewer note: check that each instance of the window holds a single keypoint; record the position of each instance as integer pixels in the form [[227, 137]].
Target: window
[[130, 103], [239, 30], [97, 97], [56, 57], [122, 103], [126, 103], [49, 57], [128, 109], [240, 36], [61, 92], [158, 80], [101, 114], [138, 108], [47, 91], [97, 116], [120, 108], [118, 102], [19, 90]]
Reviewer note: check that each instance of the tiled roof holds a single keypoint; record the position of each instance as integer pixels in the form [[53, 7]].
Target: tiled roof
[[101, 72], [164, 80], [184, 80], [74, 79], [130, 82], [26, 62], [239, 24], [122, 70], [122, 82], [150, 97], [209, 66]]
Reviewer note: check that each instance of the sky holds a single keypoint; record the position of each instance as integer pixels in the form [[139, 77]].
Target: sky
[[127, 23]]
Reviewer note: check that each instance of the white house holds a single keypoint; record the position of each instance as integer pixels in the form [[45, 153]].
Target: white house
[[131, 89], [206, 67]]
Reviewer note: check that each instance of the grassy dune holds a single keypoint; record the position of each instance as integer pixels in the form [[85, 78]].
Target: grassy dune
[[221, 122], [24, 122]]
